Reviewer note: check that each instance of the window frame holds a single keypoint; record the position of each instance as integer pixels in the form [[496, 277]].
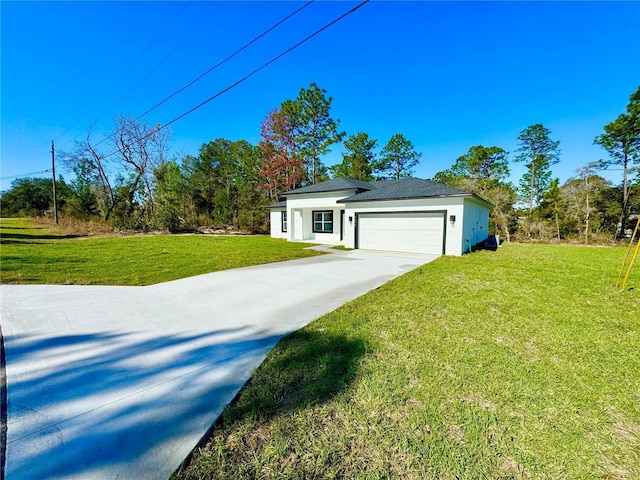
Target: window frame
[[284, 224], [324, 222]]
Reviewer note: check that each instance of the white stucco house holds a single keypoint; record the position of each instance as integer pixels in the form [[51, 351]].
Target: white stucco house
[[406, 215]]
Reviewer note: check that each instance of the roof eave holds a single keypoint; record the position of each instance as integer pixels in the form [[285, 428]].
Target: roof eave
[[482, 200]]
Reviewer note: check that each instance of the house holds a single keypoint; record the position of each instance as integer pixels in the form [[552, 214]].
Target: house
[[405, 215]]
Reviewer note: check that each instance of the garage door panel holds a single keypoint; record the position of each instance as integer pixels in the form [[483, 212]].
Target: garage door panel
[[415, 232]]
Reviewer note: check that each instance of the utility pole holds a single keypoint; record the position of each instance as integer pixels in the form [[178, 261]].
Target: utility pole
[[53, 170]]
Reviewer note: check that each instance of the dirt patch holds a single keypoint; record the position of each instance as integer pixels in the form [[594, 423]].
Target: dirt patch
[[479, 401], [512, 469], [627, 431], [456, 433]]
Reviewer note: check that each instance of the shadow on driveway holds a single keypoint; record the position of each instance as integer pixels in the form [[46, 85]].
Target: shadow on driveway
[[119, 365], [108, 382], [307, 367]]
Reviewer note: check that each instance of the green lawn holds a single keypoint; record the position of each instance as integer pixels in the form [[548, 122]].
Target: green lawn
[[32, 254], [520, 363]]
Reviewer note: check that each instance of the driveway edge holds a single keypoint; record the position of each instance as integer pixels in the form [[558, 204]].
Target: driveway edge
[[3, 406]]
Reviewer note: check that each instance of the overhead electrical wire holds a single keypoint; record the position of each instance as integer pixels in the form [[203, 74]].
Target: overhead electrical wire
[[246, 77], [126, 72], [135, 62], [31, 174], [192, 82], [221, 92], [25, 174], [166, 57], [209, 70]]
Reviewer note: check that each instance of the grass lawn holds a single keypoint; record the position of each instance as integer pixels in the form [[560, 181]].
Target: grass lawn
[[33, 254], [520, 363]]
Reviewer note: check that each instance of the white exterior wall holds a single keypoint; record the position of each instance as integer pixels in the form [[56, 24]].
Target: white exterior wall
[[471, 225], [300, 209], [476, 223], [450, 205], [275, 223]]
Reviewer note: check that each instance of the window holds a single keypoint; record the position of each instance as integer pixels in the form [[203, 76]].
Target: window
[[284, 221], [323, 222]]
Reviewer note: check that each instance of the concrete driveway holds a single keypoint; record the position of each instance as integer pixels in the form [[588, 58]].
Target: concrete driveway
[[122, 382]]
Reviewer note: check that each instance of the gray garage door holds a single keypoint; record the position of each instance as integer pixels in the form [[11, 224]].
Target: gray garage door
[[414, 232]]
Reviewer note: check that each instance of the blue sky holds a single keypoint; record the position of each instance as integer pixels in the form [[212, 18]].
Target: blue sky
[[447, 75]]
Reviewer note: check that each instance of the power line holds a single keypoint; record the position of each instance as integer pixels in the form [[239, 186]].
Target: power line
[[26, 174], [209, 70], [249, 75], [41, 172], [124, 74], [221, 92], [136, 61], [153, 70]]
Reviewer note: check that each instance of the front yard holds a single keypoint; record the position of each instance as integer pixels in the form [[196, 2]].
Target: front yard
[[33, 254], [520, 363]]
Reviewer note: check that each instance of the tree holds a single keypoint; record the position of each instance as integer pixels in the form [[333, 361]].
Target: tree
[[32, 196], [553, 203], [538, 152], [397, 158], [122, 179], [141, 148], [447, 177], [357, 161], [84, 201], [251, 201], [621, 140], [215, 179], [282, 169], [94, 167], [313, 128], [579, 194], [223, 185], [207, 178], [175, 209], [220, 157], [483, 171], [479, 163], [241, 186], [486, 163], [607, 203], [502, 195]]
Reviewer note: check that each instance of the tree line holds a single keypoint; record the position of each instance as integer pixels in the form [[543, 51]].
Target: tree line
[[586, 207], [130, 181]]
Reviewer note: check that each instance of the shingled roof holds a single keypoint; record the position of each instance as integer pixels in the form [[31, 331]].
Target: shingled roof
[[400, 189], [281, 204], [404, 189], [334, 185]]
